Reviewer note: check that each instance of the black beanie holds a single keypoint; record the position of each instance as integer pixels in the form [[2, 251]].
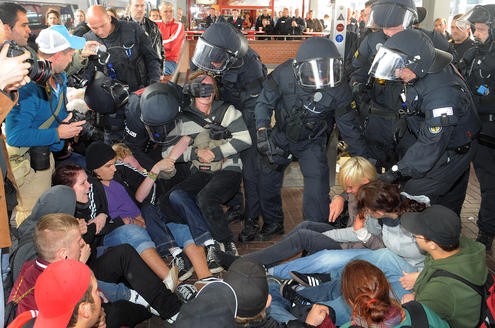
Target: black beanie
[[97, 154]]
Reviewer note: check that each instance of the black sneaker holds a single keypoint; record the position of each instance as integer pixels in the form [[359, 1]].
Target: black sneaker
[[288, 292], [485, 238], [186, 292], [184, 265], [230, 248], [213, 266], [250, 229], [310, 279]]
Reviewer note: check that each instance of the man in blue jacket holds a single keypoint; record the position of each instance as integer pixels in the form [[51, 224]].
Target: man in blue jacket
[[40, 118]]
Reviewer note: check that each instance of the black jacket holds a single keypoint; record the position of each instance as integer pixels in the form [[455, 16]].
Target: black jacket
[[132, 56]]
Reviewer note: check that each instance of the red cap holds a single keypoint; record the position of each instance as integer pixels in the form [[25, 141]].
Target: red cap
[[57, 291]]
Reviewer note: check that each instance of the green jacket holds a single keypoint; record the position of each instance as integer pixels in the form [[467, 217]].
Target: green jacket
[[451, 299]]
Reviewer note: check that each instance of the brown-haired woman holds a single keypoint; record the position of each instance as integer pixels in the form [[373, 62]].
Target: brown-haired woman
[[367, 291]]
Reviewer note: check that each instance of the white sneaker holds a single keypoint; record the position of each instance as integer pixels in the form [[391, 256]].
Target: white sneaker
[[172, 279]]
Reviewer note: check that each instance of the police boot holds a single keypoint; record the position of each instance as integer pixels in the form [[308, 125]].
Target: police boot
[[250, 230], [485, 238], [269, 231]]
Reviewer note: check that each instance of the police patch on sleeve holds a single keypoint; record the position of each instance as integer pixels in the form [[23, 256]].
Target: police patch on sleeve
[[435, 129], [447, 111]]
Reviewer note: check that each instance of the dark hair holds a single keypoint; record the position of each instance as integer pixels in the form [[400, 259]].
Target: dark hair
[[86, 298], [66, 175], [381, 196], [366, 289], [8, 13]]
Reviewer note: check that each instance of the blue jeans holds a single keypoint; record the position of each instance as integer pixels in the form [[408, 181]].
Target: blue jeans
[[169, 67], [114, 292], [185, 205], [164, 235], [130, 234], [320, 262]]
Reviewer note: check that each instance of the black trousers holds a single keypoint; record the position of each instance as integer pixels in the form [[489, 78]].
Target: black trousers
[[123, 264], [483, 161]]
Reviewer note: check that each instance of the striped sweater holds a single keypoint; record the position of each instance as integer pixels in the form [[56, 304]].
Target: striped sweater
[[227, 152]]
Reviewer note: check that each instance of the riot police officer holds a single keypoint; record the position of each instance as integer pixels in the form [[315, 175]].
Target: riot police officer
[[377, 98], [223, 51], [308, 95], [437, 111], [479, 70]]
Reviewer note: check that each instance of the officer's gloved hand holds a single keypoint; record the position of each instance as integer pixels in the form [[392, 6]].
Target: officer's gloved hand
[[390, 176], [263, 142], [218, 131], [357, 89]]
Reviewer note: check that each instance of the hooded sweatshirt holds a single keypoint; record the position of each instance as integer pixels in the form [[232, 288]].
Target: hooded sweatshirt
[[449, 297]]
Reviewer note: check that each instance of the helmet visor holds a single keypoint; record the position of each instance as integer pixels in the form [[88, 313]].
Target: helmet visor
[[388, 64], [166, 134], [319, 73], [389, 15], [478, 14], [211, 58]]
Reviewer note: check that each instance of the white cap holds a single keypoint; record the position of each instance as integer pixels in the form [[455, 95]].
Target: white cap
[[57, 38]]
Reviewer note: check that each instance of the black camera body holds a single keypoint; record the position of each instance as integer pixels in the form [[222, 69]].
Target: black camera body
[[90, 131], [40, 70]]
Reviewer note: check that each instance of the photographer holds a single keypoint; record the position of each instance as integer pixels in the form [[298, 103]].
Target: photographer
[[12, 76], [39, 124], [15, 24]]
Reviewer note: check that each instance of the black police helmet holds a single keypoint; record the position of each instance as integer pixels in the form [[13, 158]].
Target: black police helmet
[[422, 56], [104, 95], [224, 35], [391, 13], [486, 15], [317, 47], [159, 103]]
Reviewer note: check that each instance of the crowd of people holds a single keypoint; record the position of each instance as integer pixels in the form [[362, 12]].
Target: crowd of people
[[109, 212]]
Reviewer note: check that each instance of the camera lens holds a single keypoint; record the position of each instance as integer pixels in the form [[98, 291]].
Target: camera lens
[[40, 71]]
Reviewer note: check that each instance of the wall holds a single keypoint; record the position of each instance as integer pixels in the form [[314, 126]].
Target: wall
[[272, 52]]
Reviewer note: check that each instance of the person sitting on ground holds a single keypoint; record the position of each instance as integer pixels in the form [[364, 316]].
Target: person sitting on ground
[[367, 291], [216, 171], [67, 295], [312, 236], [107, 210], [142, 185], [57, 237], [438, 233]]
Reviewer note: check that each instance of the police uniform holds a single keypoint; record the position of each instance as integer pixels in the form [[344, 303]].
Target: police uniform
[[304, 120], [480, 74], [438, 112], [240, 86]]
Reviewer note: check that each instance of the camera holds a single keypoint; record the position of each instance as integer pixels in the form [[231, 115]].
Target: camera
[[90, 131], [76, 81], [40, 70]]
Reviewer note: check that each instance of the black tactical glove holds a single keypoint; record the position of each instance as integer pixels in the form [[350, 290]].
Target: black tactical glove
[[197, 89], [218, 131], [263, 142]]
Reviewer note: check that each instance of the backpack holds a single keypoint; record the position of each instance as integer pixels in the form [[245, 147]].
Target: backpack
[[417, 314], [486, 291]]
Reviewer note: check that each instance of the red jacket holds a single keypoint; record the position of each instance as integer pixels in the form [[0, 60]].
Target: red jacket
[[23, 291], [173, 37]]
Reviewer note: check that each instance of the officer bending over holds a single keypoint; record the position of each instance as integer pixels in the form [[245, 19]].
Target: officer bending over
[[308, 96], [438, 112]]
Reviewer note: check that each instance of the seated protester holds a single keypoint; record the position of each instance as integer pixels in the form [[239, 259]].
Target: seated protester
[[67, 295], [438, 233], [57, 237], [367, 291], [93, 207], [142, 185], [216, 171], [312, 236], [231, 304], [378, 200]]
